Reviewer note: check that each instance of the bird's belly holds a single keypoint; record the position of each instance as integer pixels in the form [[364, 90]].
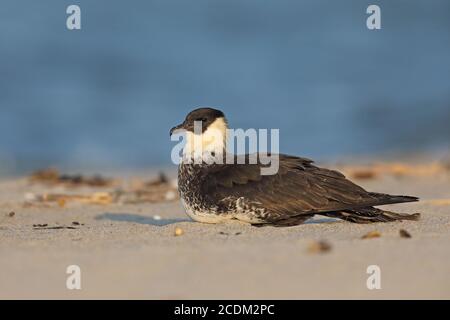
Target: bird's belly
[[203, 215], [249, 217], [211, 215]]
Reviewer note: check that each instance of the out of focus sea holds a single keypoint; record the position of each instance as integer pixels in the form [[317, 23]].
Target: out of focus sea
[[107, 95]]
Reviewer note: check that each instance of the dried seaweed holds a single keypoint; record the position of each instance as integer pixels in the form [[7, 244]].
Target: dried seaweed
[[156, 190], [395, 169], [52, 176], [152, 191], [95, 198], [45, 227]]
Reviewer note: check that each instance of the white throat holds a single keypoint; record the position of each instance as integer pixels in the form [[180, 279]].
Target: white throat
[[208, 145]]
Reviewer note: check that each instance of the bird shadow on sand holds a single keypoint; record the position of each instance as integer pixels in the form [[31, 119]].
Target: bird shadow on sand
[[321, 220], [136, 218]]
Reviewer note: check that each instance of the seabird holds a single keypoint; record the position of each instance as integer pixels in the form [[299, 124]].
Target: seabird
[[218, 192]]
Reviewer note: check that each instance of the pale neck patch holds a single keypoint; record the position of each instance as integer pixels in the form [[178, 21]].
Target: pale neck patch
[[209, 144]]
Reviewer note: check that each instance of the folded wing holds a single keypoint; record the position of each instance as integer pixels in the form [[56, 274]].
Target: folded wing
[[298, 188]]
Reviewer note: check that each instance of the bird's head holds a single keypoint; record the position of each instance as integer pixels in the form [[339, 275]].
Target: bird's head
[[205, 129]]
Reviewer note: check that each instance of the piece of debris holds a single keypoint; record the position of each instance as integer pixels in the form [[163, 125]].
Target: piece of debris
[[62, 203], [75, 223], [162, 179], [438, 202], [364, 174], [404, 234], [371, 235], [156, 190], [29, 196], [45, 175], [61, 199], [7, 216], [52, 176], [227, 234], [100, 198], [178, 231], [396, 169], [38, 227], [156, 217], [321, 246]]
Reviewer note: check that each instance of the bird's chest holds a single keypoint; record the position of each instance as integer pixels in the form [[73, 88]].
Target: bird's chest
[[195, 199], [203, 204], [190, 182]]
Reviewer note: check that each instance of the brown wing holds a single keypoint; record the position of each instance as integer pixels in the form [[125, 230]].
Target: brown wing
[[298, 188]]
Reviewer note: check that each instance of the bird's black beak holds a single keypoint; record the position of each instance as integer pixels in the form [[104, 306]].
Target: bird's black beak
[[178, 127]]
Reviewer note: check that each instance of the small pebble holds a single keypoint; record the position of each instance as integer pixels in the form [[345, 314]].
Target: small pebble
[[30, 196], [170, 195], [319, 247], [371, 234], [156, 217], [11, 214], [404, 233], [178, 231]]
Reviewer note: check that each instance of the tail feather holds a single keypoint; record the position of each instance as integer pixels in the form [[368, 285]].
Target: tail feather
[[370, 215], [389, 199]]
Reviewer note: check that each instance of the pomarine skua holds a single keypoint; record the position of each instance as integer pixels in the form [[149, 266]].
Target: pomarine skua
[[215, 192]]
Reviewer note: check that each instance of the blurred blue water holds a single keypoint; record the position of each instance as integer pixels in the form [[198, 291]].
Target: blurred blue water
[[108, 94]]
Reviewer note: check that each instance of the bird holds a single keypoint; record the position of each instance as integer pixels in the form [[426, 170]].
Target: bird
[[221, 191]]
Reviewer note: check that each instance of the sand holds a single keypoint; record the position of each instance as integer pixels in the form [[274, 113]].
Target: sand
[[123, 252]]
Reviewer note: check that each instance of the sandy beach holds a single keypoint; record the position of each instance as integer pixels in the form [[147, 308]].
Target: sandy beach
[[128, 249]]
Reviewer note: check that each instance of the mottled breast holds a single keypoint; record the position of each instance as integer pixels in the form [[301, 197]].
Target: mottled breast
[[199, 205]]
